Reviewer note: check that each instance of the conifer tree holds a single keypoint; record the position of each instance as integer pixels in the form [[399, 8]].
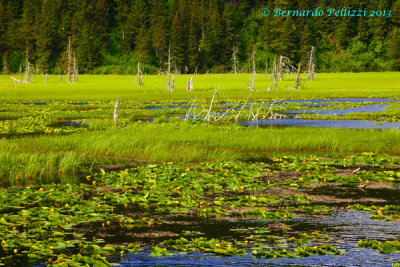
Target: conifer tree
[[47, 41]]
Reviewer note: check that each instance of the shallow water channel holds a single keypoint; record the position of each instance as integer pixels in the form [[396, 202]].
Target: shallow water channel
[[349, 124], [309, 107]]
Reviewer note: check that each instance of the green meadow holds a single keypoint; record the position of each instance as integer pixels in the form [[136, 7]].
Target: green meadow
[[68, 169], [108, 87], [62, 152]]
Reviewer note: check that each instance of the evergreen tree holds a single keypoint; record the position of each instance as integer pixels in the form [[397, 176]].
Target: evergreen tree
[[202, 31], [177, 42], [362, 30], [47, 41], [31, 27], [193, 40], [158, 29], [396, 12], [394, 49]]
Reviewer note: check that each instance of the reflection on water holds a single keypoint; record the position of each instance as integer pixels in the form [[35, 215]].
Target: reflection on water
[[340, 100], [349, 124], [341, 112], [345, 227]]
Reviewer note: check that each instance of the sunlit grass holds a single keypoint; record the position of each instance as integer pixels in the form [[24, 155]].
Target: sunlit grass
[[53, 157], [108, 87]]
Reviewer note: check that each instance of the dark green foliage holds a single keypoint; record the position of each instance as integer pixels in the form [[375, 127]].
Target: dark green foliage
[[201, 33]]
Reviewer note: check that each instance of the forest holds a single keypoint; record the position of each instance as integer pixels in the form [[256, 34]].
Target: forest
[[110, 36]]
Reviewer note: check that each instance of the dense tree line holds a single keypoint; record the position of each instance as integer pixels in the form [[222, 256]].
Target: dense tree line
[[111, 35]]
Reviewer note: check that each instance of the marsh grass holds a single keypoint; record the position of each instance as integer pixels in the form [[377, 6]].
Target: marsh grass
[[183, 142], [21, 166], [108, 87], [56, 158]]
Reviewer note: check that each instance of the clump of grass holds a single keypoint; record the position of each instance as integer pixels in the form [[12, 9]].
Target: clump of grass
[[21, 167]]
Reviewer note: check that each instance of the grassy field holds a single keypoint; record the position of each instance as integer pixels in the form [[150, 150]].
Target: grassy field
[[64, 152], [108, 87], [67, 169]]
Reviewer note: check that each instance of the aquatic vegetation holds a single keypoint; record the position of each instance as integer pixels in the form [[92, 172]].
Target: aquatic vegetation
[[301, 251], [383, 247], [204, 245], [39, 223], [386, 213], [261, 213]]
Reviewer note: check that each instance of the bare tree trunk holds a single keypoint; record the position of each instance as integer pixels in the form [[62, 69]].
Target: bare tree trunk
[[312, 72], [20, 73], [266, 67], [169, 68], [297, 77], [138, 74], [16, 80], [47, 77], [74, 70], [310, 62], [69, 60], [28, 70], [28, 67], [234, 59], [274, 74], [5, 69], [116, 112], [190, 85], [254, 68], [59, 74], [280, 68], [173, 83], [77, 72]]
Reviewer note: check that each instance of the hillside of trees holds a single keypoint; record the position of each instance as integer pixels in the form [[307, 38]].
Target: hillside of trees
[[110, 36]]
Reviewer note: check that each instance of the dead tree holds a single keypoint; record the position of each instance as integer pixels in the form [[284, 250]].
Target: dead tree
[[208, 115], [254, 68], [190, 85], [281, 68], [5, 69], [274, 74], [285, 66], [16, 80], [266, 67], [234, 59], [75, 72], [20, 73], [172, 83], [47, 78], [27, 68], [69, 54], [311, 63], [169, 68], [116, 112], [195, 70], [312, 72], [138, 77], [297, 77]]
